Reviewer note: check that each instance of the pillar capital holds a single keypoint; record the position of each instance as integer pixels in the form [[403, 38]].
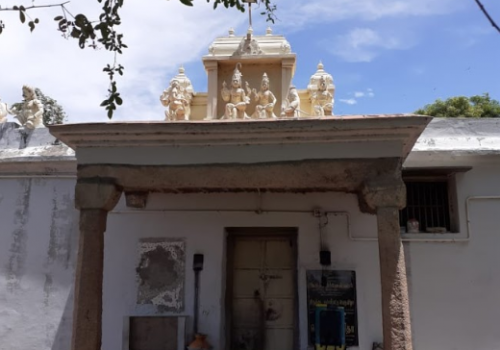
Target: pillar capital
[[386, 191], [96, 193]]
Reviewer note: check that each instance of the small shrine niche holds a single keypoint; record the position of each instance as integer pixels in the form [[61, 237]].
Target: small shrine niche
[[257, 58], [249, 78]]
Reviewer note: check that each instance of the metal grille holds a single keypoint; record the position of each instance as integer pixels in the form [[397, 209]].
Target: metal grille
[[428, 203]]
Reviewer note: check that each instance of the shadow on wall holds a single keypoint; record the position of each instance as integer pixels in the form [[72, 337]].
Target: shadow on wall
[[62, 338]]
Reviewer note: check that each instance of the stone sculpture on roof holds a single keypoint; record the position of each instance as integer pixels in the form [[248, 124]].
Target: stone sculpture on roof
[[269, 64], [291, 106], [4, 111], [29, 113], [248, 46], [236, 98], [321, 90], [322, 99], [177, 98], [265, 100], [35, 111]]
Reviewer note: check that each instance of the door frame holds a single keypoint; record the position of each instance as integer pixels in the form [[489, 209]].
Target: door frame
[[231, 234]]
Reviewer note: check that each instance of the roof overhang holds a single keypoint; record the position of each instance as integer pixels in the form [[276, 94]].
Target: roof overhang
[[352, 134]]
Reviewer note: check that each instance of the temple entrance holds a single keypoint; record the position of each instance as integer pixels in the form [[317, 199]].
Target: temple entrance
[[261, 289]]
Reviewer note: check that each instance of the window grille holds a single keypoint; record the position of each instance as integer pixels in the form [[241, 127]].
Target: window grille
[[427, 202]]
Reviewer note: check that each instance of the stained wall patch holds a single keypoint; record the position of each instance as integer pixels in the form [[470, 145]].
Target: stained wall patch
[[161, 273]]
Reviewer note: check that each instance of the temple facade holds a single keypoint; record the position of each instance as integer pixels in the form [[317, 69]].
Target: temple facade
[[251, 218]]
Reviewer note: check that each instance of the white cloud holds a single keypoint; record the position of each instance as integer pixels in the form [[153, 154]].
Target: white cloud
[[161, 35], [350, 101], [364, 44], [299, 13], [368, 93]]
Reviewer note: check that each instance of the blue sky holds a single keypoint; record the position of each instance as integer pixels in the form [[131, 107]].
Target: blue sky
[[386, 56]]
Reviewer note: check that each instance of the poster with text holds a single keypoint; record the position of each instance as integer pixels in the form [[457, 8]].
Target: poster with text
[[338, 289]]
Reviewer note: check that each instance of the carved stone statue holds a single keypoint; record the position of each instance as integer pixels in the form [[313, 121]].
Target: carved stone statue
[[248, 46], [178, 102], [265, 100], [178, 97], [4, 111], [237, 100], [321, 91], [322, 99], [292, 104], [30, 111]]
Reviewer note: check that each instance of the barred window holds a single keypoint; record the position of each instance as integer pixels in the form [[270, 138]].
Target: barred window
[[428, 203]]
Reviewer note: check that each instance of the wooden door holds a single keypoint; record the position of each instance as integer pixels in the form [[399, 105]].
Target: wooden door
[[263, 288]]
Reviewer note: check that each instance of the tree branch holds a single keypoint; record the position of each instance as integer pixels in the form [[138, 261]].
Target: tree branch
[[32, 7], [487, 15]]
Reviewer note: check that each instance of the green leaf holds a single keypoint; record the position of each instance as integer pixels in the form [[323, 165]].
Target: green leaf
[[31, 25], [37, 20], [105, 103], [22, 17], [58, 18], [187, 2], [119, 100]]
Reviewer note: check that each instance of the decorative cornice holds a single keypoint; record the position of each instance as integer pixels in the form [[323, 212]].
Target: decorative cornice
[[396, 127]]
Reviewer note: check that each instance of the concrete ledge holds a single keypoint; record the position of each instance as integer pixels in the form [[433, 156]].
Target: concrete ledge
[[33, 153]]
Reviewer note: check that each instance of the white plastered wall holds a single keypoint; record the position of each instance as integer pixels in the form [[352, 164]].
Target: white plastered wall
[[205, 233], [454, 287], [38, 245]]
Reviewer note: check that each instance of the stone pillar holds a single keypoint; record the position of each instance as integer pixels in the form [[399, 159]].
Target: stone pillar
[[385, 196], [213, 89], [94, 198]]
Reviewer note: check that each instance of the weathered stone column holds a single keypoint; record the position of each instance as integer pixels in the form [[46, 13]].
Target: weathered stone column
[[385, 196], [94, 198]]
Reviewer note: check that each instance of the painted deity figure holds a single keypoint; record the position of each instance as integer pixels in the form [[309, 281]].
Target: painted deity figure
[[178, 102], [322, 99], [265, 100], [30, 113], [292, 103], [236, 98]]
